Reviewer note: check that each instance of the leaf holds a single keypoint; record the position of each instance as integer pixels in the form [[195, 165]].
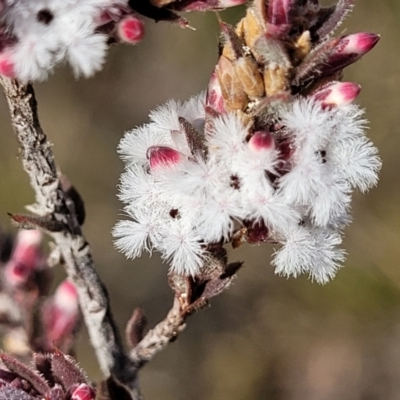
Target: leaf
[[47, 222], [66, 370], [136, 327], [26, 373]]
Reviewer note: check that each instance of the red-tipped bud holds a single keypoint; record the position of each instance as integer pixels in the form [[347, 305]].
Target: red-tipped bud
[[215, 100], [7, 67], [26, 257], [262, 141], [161, 156], [357, 43], [83, 392], [337, 94], [61, 313], [130, 29], [348, 50], [278, 12]]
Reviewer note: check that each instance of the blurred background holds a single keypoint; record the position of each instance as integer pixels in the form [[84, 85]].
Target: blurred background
[[266, 337]]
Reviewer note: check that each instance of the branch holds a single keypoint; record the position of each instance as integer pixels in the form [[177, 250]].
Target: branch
[[53, 204]]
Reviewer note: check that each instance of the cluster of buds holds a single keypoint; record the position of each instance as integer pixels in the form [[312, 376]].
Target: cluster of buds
[[27, 321], [271, 153], [54, 376], [35, 36]]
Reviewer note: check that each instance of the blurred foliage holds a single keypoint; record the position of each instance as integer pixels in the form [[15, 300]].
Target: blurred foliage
[[267, 337]]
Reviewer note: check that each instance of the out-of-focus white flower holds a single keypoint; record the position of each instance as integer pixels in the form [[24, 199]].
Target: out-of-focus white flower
[[38, 35]]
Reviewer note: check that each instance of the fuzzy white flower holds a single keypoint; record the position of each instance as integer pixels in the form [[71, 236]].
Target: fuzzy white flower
[[202, 183]]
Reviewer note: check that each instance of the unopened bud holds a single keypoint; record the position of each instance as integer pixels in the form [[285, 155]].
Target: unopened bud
[[278, 12], [250, 76], [7, 67], [278, 17], [83, 392], [231, 87], [61, 313], [262, 141], [337, 94], [131, 29], [349, 49], [214, 97], [25, 258], [161, 156], [250, 28], [275, 79]]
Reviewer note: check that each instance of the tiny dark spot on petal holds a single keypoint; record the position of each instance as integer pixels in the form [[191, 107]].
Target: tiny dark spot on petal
[[174, 213], [45, 16], [235, 182]]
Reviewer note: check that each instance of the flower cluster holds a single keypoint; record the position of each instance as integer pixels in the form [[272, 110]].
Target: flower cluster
[[271, 153]]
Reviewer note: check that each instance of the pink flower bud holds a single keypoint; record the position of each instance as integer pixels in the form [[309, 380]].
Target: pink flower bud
[[7, 67], [278, 12], [348, 50], [357, 43], [163, 156], [83, 392], [214, 99], [337, 94], [61, 313], [262, 141], [131, 29], [26, 257]]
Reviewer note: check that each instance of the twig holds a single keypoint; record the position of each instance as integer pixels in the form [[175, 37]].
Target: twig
[[159, 337], [52, 203]]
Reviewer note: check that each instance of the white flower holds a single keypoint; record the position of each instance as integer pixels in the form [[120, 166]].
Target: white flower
[[299, 195]]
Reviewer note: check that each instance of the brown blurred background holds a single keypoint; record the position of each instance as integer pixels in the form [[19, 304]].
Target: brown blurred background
[[266, 337]]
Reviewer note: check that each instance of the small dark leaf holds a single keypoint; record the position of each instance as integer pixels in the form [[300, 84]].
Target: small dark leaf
[[195, 140], [216, 278], [26, 373], [336, 17], [33, 222], [136, 327], [146, 8], [66, 371], [73, 195], [310, 67], [232, 39], [231, 269]]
